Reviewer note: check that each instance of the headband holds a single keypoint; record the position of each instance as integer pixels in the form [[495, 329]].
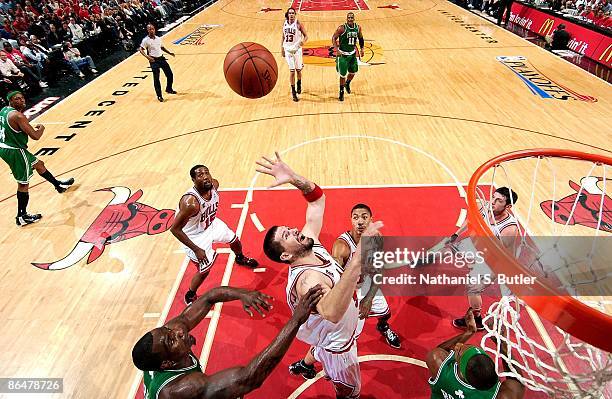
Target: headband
[[11, 94]]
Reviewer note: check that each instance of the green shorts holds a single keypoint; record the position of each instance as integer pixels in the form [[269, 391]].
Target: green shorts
[[21, 163], [346, 64]]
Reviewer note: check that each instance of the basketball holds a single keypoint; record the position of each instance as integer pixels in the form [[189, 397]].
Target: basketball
[[250, 70]]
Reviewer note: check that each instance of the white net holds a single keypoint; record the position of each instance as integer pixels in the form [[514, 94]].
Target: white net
[[567, 368], [565, 243]]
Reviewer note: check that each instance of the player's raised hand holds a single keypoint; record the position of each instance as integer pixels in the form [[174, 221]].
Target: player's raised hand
[[276, 168], [373, 229], [470, 322]]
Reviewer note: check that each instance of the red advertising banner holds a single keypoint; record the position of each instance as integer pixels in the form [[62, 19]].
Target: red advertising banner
[[595, 45]]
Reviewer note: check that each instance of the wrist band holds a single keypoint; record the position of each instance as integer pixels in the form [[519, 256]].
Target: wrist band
[[314, 194]]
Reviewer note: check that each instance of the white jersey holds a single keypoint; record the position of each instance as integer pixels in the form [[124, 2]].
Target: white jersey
[[318, 332], [498, 226], [348, 238], [199, 222], [292, 36]]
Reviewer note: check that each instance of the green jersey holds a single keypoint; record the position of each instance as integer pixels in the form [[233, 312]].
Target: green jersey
[[448, 385], [348, 39], [155, 381], [10, 137]]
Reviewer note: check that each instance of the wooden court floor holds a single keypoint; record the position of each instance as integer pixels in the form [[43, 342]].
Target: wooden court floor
[[438, 106]]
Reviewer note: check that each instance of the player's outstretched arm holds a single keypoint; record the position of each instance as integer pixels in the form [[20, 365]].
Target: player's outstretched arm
[[334, 303], [251, 301], [283, 174], [436, 356], [235, 382]]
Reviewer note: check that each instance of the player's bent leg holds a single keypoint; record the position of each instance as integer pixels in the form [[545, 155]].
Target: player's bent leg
[[196, 281], [293, 90], [343, 371], [23, 218], [347, 85], [305, 367], [380, 310], [60, 185], [299, 80], [241, 259], [219, 232]]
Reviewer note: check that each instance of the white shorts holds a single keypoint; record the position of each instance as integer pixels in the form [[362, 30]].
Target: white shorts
[[380, 307], [342, 369], [216, 232], [294, 60]]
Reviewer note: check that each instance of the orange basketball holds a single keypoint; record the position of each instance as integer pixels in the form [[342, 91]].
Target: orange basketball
[[250, 70]]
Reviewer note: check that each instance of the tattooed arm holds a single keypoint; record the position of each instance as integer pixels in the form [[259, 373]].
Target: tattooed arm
[[284, 174]]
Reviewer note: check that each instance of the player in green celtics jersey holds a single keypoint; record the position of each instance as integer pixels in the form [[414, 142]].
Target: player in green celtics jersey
[[462, 371], [15, 130], [171, 370], [345, 40]]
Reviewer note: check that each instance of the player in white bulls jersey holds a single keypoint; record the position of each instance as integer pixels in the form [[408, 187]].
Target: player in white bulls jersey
[[197, 227], [294, 37], [372, 302], [504, 226], [332, 330]]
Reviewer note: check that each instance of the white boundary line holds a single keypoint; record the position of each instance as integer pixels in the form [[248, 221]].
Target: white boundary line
[[362, 359], [257, 222], [357, 4], [161, 320], [229, 267]]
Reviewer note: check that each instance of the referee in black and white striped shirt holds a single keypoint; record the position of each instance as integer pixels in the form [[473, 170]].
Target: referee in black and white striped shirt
[[153, 44]]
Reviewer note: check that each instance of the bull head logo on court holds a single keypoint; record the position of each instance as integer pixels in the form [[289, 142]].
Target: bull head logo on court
[[588, 199], [123, 218]]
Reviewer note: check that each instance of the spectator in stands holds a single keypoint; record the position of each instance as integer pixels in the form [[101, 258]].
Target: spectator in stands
[[600, 18], [30, 8], [54, 37], [24, 65], [65, 32], [95, 8], [35, 56], [588, 14], [76, 30], [560, 38], [36, 43], [569, 8], [606, 6], [73, 56], [8, 68], [5, 6], [12, 77], [39, 28]]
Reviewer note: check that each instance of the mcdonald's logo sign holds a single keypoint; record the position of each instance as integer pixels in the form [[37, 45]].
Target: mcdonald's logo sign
[[547, 27], [608, 52]]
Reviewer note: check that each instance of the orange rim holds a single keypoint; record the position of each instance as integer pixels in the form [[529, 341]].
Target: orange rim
[[568, 313]]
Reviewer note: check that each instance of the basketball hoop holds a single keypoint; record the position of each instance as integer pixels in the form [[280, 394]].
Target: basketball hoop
[[579, 364]]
